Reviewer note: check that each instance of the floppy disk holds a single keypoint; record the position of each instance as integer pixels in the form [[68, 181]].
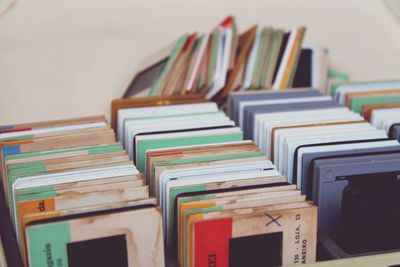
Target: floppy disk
[[237, 97], [87, 239], [244, 199], [29, 218], [188, 129], [189, 195], [129, 118], [175, 187], [173, 123], [361, 231], [306, 155], [69, 199], [168, 140], [172, 182], [211, 156], [312, 69], [246, 237], [394, 132], [239, 158], [332, 176], [120, 104], [181, 153], [240, 170]]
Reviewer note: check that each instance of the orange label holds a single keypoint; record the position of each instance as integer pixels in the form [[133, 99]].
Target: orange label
[[33, 206], [28, 212], [16, 142], [191, 220], [183, 207]]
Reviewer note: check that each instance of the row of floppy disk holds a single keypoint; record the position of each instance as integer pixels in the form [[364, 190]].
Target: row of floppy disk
[[219, 195], [221, 61], [341, 153], [72, 197], [325, 147], [75, 198]]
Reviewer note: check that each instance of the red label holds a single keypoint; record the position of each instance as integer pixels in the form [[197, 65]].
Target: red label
[[226, 22], [15, 130], [211, 239]]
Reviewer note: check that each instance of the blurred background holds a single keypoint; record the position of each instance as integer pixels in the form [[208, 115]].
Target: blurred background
[[62, 59]]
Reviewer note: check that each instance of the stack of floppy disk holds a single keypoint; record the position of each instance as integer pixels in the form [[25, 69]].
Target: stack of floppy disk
[[223, 201], [221, 61], [74, 198], [378, 102], [341, 162]]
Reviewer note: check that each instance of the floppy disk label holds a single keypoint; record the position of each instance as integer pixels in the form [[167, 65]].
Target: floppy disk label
[[212, 249], [52, 253], [264, 239]]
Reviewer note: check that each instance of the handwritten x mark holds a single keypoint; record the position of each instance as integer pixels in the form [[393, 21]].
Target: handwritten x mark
[[273, 220]]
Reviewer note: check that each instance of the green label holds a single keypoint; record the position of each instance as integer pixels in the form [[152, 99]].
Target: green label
[[48, 244], [358, 103], [35, 196], [178, 47], [35, 190], [203, 159], [130, 120], [195, 198], [173, 195], [213, 56], [41, 163], [145, 145], [26, 171], [105, 149], [21, 137], [25, 165], [91, 150], [338, 75]]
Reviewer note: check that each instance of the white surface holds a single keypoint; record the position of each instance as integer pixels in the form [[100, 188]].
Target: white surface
[[62, 58]]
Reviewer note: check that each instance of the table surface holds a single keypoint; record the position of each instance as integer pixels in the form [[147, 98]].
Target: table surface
[[61, 59]]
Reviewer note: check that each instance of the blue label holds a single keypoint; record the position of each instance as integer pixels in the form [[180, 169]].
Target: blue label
[[6, 127], [10, 150]]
